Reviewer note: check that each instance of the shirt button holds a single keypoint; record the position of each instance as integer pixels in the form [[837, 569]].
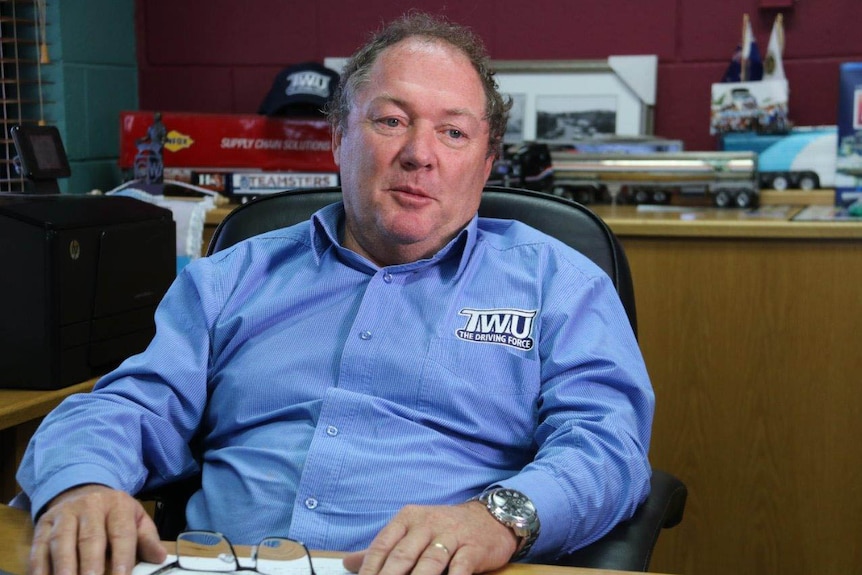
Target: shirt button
[[365, 335], [331, 431], [387, 277], [311, 503]]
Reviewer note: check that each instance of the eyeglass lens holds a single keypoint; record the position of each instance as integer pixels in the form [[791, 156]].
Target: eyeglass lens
[[205, 551], [279, 556]]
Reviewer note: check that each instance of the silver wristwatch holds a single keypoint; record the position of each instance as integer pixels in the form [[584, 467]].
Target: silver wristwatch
[[514, 510]]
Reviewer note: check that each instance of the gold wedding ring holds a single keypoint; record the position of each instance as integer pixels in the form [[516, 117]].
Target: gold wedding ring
[[439, 545]]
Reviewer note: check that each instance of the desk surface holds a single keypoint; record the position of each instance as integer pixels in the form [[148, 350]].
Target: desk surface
[[16, 532], [20, 405], [769, 221], [772, 220]]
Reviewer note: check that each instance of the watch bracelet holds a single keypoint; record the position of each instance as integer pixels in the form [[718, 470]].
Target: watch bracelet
[[525, 542]]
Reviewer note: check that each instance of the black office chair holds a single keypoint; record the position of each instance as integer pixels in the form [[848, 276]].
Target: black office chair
[[629, 545]]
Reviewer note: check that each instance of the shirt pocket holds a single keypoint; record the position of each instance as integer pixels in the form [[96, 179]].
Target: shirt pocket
[[484, 391]]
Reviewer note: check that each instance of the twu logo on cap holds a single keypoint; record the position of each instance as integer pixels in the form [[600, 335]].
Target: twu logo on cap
[[308, 82]]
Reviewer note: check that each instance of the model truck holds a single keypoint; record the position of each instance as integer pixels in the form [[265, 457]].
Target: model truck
[[724, 179], [803, 158]]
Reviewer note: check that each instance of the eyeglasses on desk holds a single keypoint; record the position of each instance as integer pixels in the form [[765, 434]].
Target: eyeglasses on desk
[[212, 552]]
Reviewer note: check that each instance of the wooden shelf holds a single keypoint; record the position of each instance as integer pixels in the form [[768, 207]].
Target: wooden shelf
[[797, 197]]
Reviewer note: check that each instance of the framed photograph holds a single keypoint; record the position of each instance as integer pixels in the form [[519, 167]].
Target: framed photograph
[[567, 100], [749, 106]]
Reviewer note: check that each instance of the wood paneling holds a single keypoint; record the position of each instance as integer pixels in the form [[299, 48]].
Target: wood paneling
[[753, 346]]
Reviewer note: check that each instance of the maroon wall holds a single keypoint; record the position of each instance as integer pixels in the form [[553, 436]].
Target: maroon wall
[[221, 55]]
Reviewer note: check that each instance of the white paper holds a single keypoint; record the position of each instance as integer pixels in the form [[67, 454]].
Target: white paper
[[322, 566]]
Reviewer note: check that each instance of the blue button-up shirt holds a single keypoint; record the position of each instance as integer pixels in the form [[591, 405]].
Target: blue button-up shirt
[[331, 392]]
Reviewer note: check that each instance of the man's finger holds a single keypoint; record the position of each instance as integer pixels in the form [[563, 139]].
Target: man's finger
[[150, 548], [63, 546], [122, 527], [382, 546], [434, 559], [465, 561], [39, 563], [415, 553], [352, 561], [91, 544]]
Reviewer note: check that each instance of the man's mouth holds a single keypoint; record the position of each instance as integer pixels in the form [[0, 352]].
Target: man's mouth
[[410, 191]]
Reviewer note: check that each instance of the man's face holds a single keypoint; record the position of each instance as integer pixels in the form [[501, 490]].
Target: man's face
[[414, 155]]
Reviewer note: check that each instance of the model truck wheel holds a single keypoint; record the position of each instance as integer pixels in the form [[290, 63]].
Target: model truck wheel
[[779, 182], [641, 196], [808, 181], [743, 199], [722, 199], [660, 197]]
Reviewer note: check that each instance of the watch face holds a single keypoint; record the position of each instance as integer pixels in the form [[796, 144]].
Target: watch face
[[514, 510], [512, 506]]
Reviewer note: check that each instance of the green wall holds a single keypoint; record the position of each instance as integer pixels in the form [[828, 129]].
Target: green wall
[[93, 75]]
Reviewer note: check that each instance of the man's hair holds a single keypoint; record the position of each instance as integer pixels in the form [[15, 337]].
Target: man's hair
[[357, 70]]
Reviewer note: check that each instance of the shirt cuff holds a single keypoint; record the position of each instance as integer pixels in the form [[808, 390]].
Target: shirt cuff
[[67, 478]]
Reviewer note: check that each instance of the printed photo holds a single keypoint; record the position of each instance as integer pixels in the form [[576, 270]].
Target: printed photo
[[567, 118]]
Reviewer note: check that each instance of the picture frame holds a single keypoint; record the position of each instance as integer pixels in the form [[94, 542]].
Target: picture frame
[[569, 88], [566, 100], [749, 106]]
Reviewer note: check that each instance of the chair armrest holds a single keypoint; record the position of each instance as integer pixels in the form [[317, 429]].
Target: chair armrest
[[629, 545], [170, 505]]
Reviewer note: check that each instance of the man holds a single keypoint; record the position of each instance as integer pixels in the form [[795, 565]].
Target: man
[[360, 379]]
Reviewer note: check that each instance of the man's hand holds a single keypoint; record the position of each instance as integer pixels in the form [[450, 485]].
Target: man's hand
[[82, 524], [427, 540]]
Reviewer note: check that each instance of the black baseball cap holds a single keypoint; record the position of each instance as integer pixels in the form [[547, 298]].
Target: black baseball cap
[[300, 90]]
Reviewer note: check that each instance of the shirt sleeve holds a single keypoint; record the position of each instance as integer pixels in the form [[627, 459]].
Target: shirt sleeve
[[133, 430], [595, 416]]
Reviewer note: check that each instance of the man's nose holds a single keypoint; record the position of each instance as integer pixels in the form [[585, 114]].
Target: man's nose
[[418, 150]]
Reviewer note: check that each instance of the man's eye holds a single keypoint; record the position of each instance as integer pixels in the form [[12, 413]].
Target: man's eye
[[455, 134], [390, 122]]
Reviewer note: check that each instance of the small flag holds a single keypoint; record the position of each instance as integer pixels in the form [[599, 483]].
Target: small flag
[[732, 74], [751, 65], [773, 65]]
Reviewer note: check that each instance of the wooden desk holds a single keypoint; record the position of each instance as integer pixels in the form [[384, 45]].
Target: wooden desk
[[768, 222], [751, 333], [21, 411], [16, 533]]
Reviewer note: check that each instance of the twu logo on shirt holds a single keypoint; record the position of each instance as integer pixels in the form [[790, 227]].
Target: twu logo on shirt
[[510, 327]]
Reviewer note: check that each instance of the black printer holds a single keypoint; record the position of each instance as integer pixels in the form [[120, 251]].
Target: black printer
[[81, 277]]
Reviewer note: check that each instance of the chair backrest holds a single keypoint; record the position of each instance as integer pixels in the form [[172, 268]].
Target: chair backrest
[[563, 219]]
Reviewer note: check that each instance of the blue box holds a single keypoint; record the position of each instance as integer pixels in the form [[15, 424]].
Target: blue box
[[848, 177]]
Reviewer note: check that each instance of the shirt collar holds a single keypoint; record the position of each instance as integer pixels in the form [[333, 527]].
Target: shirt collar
[[327, 222]]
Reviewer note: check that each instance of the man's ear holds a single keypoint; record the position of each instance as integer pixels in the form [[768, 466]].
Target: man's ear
[[489, 164], [336, 145]]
